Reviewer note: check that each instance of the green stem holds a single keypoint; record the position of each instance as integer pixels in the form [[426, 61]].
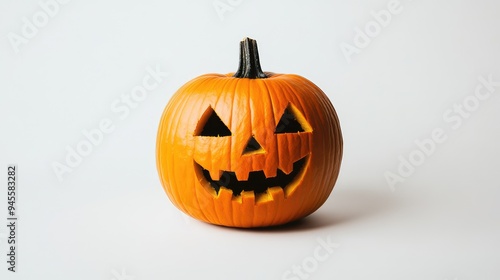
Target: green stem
[[249, 61]]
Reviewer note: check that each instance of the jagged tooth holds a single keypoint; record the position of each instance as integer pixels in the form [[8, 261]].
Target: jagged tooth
[[263, 197], [242, 174], [277, 193], [270, 172], [286, 167], [215, 174], [248, 197], [225, 193], [237, 199]]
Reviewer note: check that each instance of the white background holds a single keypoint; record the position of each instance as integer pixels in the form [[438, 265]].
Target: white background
[[110, 219]]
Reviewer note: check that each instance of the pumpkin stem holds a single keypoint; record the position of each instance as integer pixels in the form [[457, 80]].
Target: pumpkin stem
[[249, 61]]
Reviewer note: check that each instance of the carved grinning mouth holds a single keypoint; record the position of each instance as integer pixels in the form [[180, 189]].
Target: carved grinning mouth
[[257, 181]]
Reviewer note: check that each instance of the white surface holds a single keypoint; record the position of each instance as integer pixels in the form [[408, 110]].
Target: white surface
[[109, 218]]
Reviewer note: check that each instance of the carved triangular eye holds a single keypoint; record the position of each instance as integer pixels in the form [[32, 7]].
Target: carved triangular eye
[[292, 122], [211, 125], [253, 147]]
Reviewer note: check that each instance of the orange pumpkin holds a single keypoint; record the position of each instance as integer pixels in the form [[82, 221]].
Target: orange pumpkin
[[249, 149]]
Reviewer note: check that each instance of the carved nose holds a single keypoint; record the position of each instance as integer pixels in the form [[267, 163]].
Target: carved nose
[[253, 147]]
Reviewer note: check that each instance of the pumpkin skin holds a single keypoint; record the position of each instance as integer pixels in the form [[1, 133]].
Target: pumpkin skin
[[254, 150]]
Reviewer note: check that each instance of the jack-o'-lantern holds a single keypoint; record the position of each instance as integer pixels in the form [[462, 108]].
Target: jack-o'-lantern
[[249, 149]]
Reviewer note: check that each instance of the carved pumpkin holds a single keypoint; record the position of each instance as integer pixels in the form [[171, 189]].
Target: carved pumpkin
[[249, 149]]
